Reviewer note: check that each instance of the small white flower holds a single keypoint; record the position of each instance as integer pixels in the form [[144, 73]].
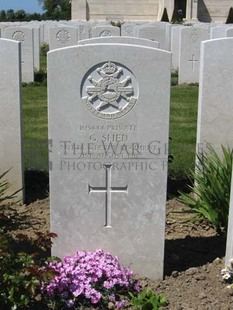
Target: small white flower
[[226, 276]]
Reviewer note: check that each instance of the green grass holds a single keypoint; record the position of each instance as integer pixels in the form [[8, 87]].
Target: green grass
[[35, 127], [183, 121], [183, 125]]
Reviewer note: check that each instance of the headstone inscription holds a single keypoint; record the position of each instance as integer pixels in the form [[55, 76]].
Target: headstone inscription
[[215, 108], [10, 116], [108, 124]]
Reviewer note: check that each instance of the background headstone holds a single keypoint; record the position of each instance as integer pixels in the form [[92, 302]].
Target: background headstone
[[121, 40], [108, 123], [229, 32], [62, 37], [25, 36], [105, 31], [215, 109], [154, 33], [10, 116], [189, 63], [175, 44], [83, 31], [36, 46], [128, 29], [219, 31]]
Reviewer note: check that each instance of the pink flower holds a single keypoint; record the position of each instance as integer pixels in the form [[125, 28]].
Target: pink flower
[[120, 304], [87, 275]]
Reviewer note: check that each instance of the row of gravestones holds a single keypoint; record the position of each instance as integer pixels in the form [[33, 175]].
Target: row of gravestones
[[183, 41], [109, 127]]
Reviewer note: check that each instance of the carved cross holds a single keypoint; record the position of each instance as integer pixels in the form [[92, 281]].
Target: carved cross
[[108, 190], [193, 60]]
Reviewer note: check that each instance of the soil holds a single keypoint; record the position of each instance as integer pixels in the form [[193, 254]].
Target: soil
[[194, 254]]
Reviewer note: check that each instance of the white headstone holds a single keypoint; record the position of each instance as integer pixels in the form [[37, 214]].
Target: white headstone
[[41, 25], [219, 31], [229, 32], [153, 33], [10, 116], [128, 28], [83, 31], [105, 31], [175, 47], [121, 40], [189, 63], [215, 109], [108, 123], [202, 25], [62, 37], [25, 36], [36, 46]]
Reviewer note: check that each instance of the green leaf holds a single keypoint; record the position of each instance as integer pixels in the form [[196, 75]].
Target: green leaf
[[210, 193]]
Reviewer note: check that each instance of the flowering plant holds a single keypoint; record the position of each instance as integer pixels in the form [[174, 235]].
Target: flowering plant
[[90, 278], [227, 273]]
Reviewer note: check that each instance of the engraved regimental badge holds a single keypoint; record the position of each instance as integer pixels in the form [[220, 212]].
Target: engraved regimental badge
[[18, 36], [63, 36], [109, 90]]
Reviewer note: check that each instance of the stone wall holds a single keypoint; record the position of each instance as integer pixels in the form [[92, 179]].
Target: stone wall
[[115, 9], [151, 10], [212, 10]]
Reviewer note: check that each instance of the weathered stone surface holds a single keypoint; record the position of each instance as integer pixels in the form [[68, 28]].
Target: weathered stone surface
[[108, 123], [156, 33], [10, 116], [152, 10], [62, 37], [215, 107], [189, 63], [121, 40], [25, 36], [105, 31]]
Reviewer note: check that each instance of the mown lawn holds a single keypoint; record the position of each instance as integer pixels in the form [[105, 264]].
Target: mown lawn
[[183, 125], [35, 127]]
